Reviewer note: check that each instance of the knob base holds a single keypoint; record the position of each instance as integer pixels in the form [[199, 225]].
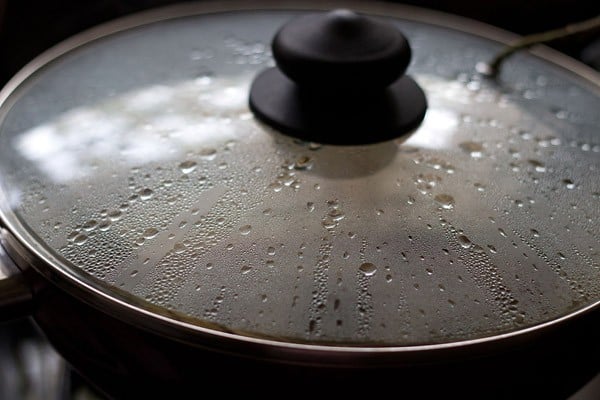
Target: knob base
[[345, 120]]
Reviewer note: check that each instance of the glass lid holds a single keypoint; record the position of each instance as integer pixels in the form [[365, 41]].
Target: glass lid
[[135, 163]]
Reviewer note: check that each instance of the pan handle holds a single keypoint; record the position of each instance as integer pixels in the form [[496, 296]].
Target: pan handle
[[16, 297]]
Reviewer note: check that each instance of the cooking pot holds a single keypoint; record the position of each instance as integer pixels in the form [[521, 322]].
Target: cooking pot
[[185, 207]]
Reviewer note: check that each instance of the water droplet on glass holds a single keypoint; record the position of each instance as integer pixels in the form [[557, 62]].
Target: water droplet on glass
[[114, 215], [187, 166], [150, 233], [276, 186], [328, 223], [368, 269], [445, 200], [245, 269], [207, 154], [535, 233], [472, 148], [336, 215], [178, 248], [303, 162], [569, 183], [146, 194], [464, 241], [538, 165], [80, 239], [244, 230], [90, 225]]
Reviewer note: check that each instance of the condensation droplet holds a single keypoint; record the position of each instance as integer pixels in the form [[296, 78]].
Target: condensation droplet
[[178, 248], [187, 166], [464, 241], [303, 162], [114, 215], [445, 200], [80, 239], [276, 186], [244, 230], [336, 215], [245, 269], [368, 269], [328, 223], [534, 232], [538, 165], [207, 154], [569, 183], [146, 194], [90, 225], [474, 149], [150, 233]]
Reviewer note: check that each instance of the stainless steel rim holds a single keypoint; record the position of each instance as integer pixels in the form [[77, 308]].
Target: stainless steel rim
[[178, 327]]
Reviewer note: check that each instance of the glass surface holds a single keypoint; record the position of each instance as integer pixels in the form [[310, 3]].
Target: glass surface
[[137, 160]]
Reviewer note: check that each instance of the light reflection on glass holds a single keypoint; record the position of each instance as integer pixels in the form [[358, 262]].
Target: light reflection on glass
[[436, 131], [440, 124], [161, 122], [152, 124]]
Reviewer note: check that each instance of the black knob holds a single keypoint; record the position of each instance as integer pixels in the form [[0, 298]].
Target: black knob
[[341, 50], [339, 80]]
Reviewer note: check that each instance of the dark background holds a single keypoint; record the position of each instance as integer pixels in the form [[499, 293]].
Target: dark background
[[28, 27]]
